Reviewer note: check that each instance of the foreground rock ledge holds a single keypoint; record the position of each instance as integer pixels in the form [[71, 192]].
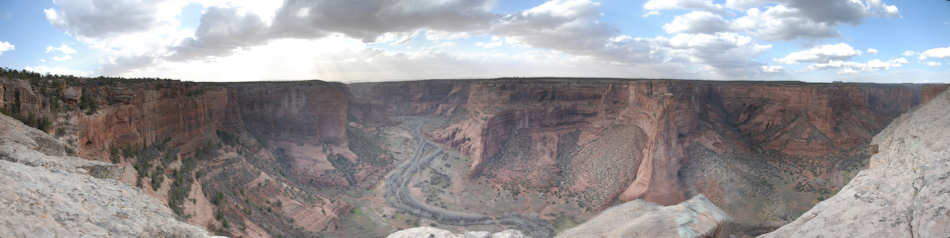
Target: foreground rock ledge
[[696, 217], [904, 193], [45, 193]]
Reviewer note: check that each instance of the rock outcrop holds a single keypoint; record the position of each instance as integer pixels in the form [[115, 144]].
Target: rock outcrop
[[696, 217], [432, 232], [904, 193], [46, 193]]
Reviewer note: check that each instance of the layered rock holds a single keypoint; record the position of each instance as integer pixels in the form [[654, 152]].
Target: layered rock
[[44, 193], [904, 192], [696, 217]]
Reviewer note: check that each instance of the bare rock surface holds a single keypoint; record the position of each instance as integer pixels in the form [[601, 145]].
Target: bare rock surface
[[432, 232], [696, 217], [904, 193], [45, 193]]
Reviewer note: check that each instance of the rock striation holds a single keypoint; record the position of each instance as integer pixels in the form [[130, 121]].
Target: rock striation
[[904, 193], [46, 193]]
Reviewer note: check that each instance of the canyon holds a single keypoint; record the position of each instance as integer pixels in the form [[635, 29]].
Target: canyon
[[314, 158]]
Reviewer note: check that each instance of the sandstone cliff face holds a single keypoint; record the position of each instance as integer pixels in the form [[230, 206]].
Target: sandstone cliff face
[[663, 140], [289, 130], [904, 191], [47, 194]]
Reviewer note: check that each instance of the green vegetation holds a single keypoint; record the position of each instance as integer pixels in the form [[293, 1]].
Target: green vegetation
[[158, 176], [345, 167], [366, 147], [88, 103], [228, 138]]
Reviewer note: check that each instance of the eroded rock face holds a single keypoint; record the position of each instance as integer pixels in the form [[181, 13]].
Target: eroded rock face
[[904, 192], [765, 152], [696, 217], [44, 193]]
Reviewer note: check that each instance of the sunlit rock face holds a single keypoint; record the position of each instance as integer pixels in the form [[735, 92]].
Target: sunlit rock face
[[904, 191], [696, 217]]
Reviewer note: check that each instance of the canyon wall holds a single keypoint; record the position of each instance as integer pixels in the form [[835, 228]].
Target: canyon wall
[[764, 152]]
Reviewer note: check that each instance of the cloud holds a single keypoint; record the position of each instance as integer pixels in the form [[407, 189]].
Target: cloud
[[62, 58], [939, 53], [653, 6], [909, 53], [934, 64], [728, 55], [223, 30], [773, 68], [62, 48], [104, 18], [794, 19], [820, 54], [872, 51], [697, 22], [6, 46], [850, 67], [58, 70]]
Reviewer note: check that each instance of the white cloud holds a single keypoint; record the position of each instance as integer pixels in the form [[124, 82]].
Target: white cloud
[[872, 51], [58, 70], [62, 48], [850, 67], [697, 22], [773, 68], [934, 64], [909, 53], [939, 53], [704, 5], [821, 54], [793, 19], [6, 46]]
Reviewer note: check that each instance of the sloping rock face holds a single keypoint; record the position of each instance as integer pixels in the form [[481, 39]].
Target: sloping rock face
[[432, 232], [207, 143], [45, 193], [696, 217], [904, 193]]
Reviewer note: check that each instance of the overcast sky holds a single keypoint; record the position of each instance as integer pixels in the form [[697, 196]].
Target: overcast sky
[[377, 40]]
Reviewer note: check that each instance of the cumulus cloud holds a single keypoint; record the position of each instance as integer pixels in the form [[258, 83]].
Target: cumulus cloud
[[6, 46], [909, 53], [938, 53], [726, 54], [933, 64], [697, 22], [820, 54], [851, 67], [793, 19], [654, 6], [224, 29], [872, 51], [104, 18], [63, 49]]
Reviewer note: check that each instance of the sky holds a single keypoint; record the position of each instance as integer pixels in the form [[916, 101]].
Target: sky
[[882, 41]]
